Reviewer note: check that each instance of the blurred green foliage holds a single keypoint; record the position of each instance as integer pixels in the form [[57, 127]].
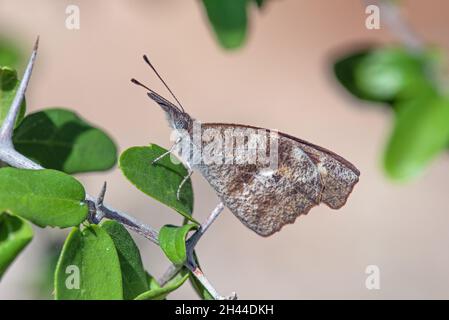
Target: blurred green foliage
[[229, 20], [408, 82], [10, 54], [15, 234], [41, 283]]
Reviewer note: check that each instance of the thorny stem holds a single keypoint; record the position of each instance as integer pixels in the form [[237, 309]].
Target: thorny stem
[[193, 240], [169, 274], [10, 120], [191, 261], [192, 264], [196, 271], [102, 211], [97, 209]]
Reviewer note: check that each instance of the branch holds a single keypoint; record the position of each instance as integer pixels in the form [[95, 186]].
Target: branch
[[397, 24], [193, 240], [103, 211], [191, 262], [97, 209]]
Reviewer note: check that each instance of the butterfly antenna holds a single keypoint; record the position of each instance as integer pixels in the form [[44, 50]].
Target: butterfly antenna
[[140, 84], [162, 80]]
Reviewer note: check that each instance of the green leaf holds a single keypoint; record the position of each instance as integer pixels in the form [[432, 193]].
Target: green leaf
[[9, 53], [384, 73], [229, 21], [158, 293], [421, 132], [159, 180], [9, 84], [89, 267], [152, 282], [15, 234], [44, 197], [134, 276], [260, 3], [59, 139], [387, 75], [172, 240], [345, 69]]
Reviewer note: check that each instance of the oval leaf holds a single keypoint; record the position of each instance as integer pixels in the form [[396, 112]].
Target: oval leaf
[[44, 197], [159, 180], [8, 88], [421, 132], [384, 73], [158, 293], [387, 74], [172, 240], [59, 139], [134, 277], [229, 21], [344, 70], [15, 234], [89, 267]]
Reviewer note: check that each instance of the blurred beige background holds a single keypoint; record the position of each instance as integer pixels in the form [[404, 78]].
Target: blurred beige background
[[281, 79]]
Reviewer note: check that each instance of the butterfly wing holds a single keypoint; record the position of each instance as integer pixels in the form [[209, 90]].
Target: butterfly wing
[[266, 197]]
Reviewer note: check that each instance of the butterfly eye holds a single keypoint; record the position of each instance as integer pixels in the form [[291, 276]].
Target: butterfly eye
[[180, 124]]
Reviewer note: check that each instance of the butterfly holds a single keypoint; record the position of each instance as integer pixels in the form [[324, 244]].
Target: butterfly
[[264, 198]]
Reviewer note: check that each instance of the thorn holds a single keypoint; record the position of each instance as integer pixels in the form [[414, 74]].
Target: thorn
[[102, 194], [92, 218], [7, 127], [36, 44]]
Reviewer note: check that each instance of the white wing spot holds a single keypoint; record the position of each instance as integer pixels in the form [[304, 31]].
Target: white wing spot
[[321, 169]]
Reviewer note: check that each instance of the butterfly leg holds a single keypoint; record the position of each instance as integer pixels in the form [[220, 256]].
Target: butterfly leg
[[167, 152], [186, 178]]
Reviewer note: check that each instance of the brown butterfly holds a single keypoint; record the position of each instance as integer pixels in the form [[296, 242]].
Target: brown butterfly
[[263, 198]]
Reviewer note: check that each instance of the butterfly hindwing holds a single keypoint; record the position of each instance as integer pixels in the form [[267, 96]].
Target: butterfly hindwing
[[266, 197]]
